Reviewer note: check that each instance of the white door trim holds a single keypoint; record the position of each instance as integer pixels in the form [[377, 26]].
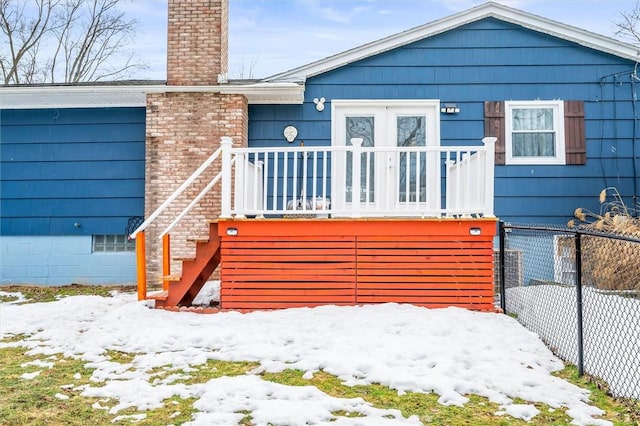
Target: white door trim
[[384, 113]]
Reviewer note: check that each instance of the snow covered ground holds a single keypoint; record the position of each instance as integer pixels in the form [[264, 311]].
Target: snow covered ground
[[452, 352]]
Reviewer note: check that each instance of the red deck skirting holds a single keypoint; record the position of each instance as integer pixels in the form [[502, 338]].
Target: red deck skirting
[[282, 263]]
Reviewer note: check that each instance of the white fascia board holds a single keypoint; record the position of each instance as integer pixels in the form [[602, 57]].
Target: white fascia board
[[574, 34], [102, 96], [491, 9], [85, 96], [38, 97]]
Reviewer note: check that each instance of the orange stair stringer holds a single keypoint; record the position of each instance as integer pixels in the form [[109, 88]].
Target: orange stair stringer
[[195, 272]]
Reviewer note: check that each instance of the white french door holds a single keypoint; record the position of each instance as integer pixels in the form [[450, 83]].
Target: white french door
[[391, 179]]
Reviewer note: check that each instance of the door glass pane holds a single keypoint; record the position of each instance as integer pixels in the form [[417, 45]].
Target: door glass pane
[[361, 127], [412, 173]]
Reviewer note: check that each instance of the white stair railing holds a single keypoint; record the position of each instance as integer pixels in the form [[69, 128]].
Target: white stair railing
[[139, 233], [195, 175]]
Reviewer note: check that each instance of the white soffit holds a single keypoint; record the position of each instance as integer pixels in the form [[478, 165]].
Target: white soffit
[[486, 10], [34, 97], [119, 96]]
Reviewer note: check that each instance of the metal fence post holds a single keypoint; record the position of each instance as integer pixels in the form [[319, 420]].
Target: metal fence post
[[501, 256], [578, 241]]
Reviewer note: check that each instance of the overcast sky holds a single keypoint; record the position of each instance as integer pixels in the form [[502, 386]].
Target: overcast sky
[[267, 37]]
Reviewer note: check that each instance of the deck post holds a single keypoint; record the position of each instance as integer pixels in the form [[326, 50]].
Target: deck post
[[259, 192], [141, 265], [240, 192], [166, 261], [225, 208], [356, 171], [489, 173]]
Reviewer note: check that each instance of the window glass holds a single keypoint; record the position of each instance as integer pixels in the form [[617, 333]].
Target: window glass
[[535, 133], [113, 244], [361, 127], [412, 182]]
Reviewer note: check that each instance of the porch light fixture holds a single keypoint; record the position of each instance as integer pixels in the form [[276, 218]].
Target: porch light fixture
[[232, 232], [450, 109], [475, 231]]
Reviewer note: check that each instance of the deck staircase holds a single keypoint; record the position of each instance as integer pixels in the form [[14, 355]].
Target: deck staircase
[[273, 256], [195, 272]]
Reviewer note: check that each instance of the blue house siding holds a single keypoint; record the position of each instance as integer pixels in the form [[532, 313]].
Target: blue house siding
[[55, 260], [62, 167], [491, 60], [68, 174]]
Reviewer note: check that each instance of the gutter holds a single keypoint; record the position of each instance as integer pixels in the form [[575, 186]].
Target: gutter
[[96, 96]]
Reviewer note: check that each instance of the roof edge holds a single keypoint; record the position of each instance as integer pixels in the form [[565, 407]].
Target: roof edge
[[119, 95], [486, 10]]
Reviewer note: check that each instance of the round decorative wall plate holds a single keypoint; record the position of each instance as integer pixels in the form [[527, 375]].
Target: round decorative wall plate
[[290, 133]]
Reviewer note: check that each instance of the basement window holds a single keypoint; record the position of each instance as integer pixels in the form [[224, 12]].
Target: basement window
[[113, 244]]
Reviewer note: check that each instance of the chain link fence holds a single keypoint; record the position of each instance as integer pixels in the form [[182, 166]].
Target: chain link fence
[[580, 292]]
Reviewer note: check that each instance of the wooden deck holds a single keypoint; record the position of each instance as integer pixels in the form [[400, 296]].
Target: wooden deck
[[282, 263]]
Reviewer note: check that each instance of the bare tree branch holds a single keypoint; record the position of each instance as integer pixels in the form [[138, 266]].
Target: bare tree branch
[[243, 68], [65, 41], [23, 35], [629, 25]]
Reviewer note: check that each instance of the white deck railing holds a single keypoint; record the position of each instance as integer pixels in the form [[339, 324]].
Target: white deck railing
[[394, 181]]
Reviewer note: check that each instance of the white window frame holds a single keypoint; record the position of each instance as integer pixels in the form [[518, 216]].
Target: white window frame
[[558, 125]]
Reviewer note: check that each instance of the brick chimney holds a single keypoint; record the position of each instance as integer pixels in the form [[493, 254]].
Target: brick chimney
[[198, 42], [184, 128]]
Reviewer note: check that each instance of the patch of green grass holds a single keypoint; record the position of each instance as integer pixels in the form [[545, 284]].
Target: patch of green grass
[[478, 411], [37, 294], [119, 356], [34, 402], [7, 298], [342, 413], [247, 419], [13, 338], [621, 412], [214, 369], [177, 410]]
